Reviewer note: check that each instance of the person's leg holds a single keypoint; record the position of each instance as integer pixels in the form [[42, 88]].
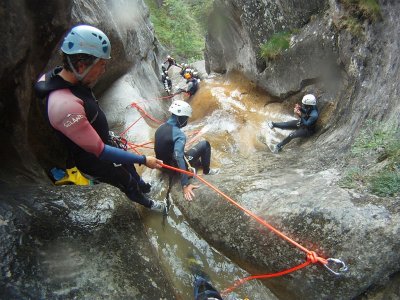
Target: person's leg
[[201, 153], [301, 132], [292, 124], [143, 186], [124, 177]]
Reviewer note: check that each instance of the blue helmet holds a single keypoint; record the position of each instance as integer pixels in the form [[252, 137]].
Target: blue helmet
[[88, 40]]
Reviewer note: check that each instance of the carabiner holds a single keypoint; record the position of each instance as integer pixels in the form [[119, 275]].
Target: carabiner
[[193, 170], [343, 268]]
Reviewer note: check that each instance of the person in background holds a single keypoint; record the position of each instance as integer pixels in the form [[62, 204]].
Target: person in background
[[166, 81], [171, 62], [169, 145], [304, 126], [74, 113], [184, 69], [192, 84]]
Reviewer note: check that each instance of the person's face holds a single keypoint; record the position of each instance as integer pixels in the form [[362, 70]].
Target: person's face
[[182, 121], [95, 73]]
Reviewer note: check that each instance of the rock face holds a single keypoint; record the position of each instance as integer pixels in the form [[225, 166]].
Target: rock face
[[75, 242], [358, 228], [303, 202], [67, 242]]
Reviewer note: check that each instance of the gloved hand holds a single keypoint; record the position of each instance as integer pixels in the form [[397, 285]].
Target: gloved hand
[[145, 187]]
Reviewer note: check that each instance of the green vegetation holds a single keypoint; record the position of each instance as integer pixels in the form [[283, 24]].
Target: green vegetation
[[351, 24], [180, 26], [383, 141], [358, 11], [273, 48]]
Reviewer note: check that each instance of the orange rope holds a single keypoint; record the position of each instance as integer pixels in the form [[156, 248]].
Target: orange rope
[[126, 130], [142, 111], [312, 257], [264, 276]]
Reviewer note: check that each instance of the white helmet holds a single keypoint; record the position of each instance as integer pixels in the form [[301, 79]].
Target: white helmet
[[180, 108], [87, 39], [309, 99]]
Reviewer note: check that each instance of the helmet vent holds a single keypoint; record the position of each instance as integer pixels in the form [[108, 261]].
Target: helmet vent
[[70, 45]]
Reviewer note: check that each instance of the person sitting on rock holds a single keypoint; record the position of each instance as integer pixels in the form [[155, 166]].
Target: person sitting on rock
[[171, 62], [169, 145], [74, 113], [304, 126]]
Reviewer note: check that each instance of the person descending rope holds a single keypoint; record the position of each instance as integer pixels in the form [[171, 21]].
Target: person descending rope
[[170, 143], [166, 81], [192, 85], [73, 112], [171, 62], [305, 126]]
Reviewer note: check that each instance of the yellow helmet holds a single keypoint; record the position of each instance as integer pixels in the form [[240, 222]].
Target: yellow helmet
[[187, 75]]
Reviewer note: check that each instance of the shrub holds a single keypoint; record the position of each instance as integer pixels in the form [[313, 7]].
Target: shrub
[[180, 26], [275, 45], [363, 9], [383, 139]]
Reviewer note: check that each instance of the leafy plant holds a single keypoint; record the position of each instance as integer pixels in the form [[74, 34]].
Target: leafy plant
[[180, 26], [351, 24], [383, 139], [363, 9], [273, 48], [351, 178], [386, 183]]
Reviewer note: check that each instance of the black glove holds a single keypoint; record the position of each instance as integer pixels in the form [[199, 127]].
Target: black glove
[[145, 187]]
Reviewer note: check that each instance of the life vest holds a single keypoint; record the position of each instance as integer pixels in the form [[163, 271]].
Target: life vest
[[93, 112], [307, 115]]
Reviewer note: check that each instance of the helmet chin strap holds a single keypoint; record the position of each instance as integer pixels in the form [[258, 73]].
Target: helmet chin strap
[[78, 76]]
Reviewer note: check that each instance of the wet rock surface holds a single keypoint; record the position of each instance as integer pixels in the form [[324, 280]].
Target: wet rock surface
[[68, 242], [306, 205]]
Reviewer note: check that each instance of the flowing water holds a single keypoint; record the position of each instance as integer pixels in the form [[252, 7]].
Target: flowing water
[[231, 114]]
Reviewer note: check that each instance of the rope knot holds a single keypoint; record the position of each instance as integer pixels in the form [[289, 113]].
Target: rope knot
[[313, 257]]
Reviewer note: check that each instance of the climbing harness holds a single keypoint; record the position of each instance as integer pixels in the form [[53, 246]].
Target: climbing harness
[[312, 257]]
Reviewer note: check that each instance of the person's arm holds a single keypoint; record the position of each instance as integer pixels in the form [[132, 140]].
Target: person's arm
[[67, 115]]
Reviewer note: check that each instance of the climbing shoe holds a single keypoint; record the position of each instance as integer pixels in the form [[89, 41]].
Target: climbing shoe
[[277, 148], [159, 206], [212, 172], [271, 124]]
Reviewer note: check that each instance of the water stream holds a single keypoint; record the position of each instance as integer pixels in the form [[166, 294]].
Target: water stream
[[231, 114]]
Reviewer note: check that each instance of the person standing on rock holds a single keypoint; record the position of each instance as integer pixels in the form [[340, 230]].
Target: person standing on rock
[[73, 112], [171, 62], [304, 126], [169, 146]]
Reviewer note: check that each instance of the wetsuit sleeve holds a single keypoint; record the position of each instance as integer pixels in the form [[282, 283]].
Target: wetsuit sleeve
[[67, 115], [120, 156], [311, 120], [179, 152]]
